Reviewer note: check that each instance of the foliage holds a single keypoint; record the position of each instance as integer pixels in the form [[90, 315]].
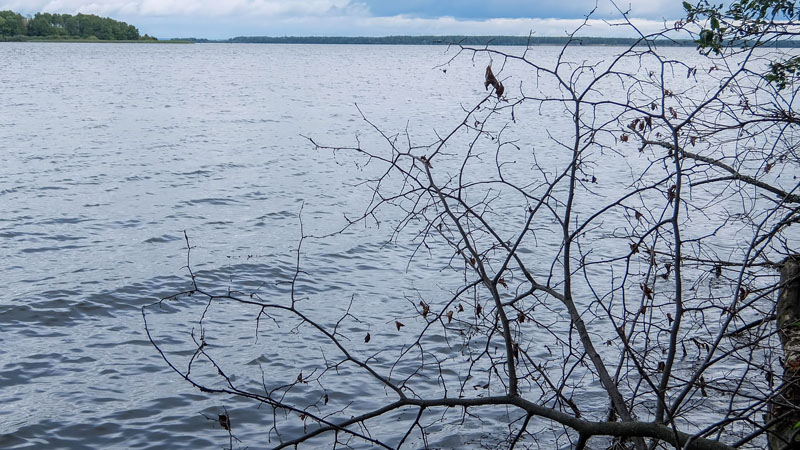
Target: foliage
[[66, 26], [749, 23], [12, 24]]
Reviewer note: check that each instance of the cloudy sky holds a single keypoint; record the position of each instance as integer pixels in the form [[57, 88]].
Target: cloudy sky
[[216, 19]]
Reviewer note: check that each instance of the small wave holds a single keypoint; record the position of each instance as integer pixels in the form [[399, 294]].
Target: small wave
[[161, 239], [51, 249], [212, 201]]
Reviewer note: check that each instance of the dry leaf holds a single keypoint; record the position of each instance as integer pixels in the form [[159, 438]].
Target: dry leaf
[[647, 291], [492, 80], [367, 337], [449, 316], [398, 324], [225, 421], [425, 308]]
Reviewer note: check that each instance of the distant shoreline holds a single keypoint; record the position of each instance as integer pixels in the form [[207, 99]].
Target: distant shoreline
[[461, 40], [97, 41], [472, 41], [435, 40]]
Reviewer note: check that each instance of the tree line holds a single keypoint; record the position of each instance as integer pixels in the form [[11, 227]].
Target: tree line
[[65, 26]]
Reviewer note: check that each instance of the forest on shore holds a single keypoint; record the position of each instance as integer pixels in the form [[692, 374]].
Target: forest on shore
[[46, 26]]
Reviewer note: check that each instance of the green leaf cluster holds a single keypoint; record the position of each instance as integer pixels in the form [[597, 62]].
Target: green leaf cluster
[[65, 26], [748, 23]]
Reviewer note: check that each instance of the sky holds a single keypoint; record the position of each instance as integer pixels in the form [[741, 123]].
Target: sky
[[220, 19]]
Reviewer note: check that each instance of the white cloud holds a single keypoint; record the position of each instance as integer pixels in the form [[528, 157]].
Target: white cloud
[[227, 18], [380, 26], [179, 7]]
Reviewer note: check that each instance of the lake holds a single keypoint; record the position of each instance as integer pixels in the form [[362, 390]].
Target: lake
[[110, 152]]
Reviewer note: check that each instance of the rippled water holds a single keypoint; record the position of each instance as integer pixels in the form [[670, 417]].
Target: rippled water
[[110, 152]]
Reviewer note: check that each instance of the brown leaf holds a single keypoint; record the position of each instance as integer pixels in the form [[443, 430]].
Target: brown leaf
[[594, 179], [521, 317], [669, 318], [743, 293], [460, 308], [300, 377], [398, 324], [478, 310], [621, 331], [768, 167], [425, 308], [653, 107], [673, 113], [634, 247], [492, 80], [661, 366], [367, 337], [671, 194], [325, 399], [647, 291], [225, 421], [303, 417], [449, 316], [502, 281], [638, 215], [693, 140], [624, 138], [472, 262]]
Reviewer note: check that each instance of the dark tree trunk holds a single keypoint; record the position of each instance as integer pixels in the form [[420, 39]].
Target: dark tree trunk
[[785, 410]]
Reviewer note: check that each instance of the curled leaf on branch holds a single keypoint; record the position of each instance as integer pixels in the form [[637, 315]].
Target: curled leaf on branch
[[492, 80], [225, 421]]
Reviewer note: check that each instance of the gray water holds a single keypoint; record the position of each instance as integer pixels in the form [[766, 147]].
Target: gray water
[[108, 153]]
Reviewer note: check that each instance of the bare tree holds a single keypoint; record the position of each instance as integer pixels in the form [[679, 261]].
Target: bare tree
[[612, 284]]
